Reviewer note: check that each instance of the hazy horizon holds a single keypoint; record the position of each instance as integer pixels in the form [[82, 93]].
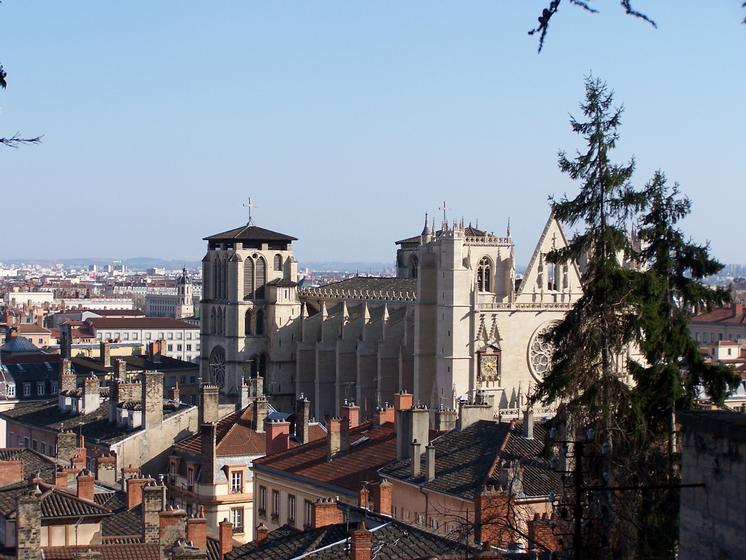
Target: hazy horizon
[[346, 122]]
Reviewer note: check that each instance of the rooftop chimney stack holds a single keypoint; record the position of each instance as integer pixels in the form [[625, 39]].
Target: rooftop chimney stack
[[445, 420], [209, 403], [261, 533], [416, 459], [85, 485], [302, 419], [352, 413], [383, 415], [528, 424], [196, 530], [362, 540], [152, 399], [91, 395], [261, 407], [430, 462], [28, 526], [337, 437], [105, 353], [153, 502], [412, 424], [226, 537], [208, 431], [277, 435]]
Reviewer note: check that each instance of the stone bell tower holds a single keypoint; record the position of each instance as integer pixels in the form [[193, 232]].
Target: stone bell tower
[[249, 293]]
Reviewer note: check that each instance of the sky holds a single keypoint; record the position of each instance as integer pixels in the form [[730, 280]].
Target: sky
[[347, 121]]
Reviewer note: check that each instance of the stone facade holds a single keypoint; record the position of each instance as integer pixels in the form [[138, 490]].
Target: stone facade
[[454, 323], [712, 519]]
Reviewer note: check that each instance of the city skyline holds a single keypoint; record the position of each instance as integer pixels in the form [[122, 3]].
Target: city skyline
[[169, 116]]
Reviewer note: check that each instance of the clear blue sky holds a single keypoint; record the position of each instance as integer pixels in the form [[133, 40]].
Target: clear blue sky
[[346, 121]]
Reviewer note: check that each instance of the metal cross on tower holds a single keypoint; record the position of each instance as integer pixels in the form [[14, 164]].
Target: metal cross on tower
[[444, 208], [250, 205]]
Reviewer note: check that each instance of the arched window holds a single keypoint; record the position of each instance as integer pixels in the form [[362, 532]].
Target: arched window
[[260, 322], [248, 278], [484, 275], [261, 277], [262, 367], [226, 275], [247, 323], [213, 322], [217, 366], [278, 263], [216, 277], [413, 264], [221, 321]]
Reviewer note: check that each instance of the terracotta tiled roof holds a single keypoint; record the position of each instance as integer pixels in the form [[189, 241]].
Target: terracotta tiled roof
[[235, 436], [33, 463], [31, 328], [370, 449], [733, 315], [125, 522], [139, 551]]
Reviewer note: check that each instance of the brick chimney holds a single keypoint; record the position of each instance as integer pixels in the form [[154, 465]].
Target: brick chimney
[[492, 503], [134, 491], [91, 394], [363, 497], [153, 501], [68, 380], [361, 543], [11, 471], [261, 408], [383, 497], [226, 537], [120, 369], [383, 415], [277, 435], [171, 528], [105, 353], [113, 399], [326, 512], [209, 404], [302, 419], [337, 437], [28, 526], [445, 420], [262, 531], [208, 431], [154, 351], [85, 485], [196, 529], [352, 413], [403, 400], [469, 413], [174, 393], [67, 444], [80, 459], [541, 533], [60, 477], [152, 399], [66, 341]]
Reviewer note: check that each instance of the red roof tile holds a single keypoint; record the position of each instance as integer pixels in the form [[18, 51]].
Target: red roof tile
[[370, 449], [131, 551], [735, 314]]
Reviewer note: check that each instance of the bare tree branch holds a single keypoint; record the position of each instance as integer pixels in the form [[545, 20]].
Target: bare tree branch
[[15, 141]]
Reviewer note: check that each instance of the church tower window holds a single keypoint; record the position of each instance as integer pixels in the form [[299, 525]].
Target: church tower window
[[261, 277], [484, 275], [247, 323], [248, 278], [413, 265], [260, 322], [216, 279], [278, 263], [213, 321]]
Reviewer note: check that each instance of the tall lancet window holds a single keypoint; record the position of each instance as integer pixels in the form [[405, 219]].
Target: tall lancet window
[[261, 277], [216, 279], [248, 323], [484, 275], [413, 264], [248, 278], [278, 263]]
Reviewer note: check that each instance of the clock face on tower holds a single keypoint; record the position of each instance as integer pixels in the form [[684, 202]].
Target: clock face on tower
[[489, 366], [217, 366]]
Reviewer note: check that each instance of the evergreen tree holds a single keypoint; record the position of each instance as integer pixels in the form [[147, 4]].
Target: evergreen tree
[[674, 370], [588, 374]]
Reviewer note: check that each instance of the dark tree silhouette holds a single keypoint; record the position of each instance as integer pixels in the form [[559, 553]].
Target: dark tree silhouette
[[16, 139], [553, 7]]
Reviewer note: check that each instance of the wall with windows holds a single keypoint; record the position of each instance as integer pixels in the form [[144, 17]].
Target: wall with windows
[[183, 344]]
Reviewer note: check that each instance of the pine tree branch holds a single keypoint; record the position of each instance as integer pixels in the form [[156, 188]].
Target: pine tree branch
[[16, 140]]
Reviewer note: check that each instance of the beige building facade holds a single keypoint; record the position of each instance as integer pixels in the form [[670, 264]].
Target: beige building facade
[[454, 323]]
